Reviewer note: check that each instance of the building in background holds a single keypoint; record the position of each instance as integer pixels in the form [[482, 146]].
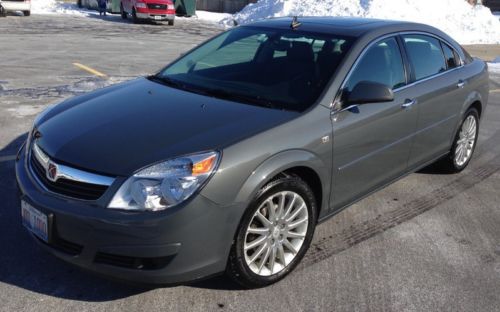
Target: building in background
[[226, 6]]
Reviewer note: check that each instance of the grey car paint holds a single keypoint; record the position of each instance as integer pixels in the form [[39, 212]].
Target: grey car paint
[[351, 153]]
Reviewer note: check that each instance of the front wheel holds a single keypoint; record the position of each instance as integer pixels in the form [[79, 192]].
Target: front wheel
[[171, 23], [464, 143], [274, 234], [135, 19], [27, 13]]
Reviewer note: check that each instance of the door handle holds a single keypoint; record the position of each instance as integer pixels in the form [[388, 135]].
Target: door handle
[[408, 103], [461, 83]]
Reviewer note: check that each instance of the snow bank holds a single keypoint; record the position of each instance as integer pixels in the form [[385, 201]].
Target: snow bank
[[465, 23], [56, 7]]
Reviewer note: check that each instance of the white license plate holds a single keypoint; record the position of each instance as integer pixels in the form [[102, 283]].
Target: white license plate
[[158, 17], [35, 221]]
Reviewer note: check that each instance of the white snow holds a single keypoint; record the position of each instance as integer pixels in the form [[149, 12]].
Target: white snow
[[56, 7], [467, 24], [494, 66]]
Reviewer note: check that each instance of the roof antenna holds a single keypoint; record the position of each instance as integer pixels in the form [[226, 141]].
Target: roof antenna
[[295, 23]]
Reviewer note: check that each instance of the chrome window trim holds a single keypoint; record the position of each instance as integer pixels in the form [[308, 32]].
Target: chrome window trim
[[401, 33], [70, 173]]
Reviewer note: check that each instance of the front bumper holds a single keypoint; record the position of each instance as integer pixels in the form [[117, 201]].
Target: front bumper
[[181, 244], [16, 6], [155, 16]]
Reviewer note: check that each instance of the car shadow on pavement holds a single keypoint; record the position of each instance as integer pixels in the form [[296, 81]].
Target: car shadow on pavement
[[25, 265], [118, 19]]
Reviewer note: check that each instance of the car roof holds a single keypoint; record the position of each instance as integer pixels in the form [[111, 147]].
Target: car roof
[[347, 26]]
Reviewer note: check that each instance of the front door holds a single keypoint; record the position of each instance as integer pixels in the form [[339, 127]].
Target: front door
[[372, 142]]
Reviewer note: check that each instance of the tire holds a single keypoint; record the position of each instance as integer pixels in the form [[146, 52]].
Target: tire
[[452, 162], [27, 13], [253, 267], [171, 23], [122, 12], [134, 17]]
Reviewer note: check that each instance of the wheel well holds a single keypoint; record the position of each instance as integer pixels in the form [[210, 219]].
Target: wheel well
[[312, 179], [477, 105]]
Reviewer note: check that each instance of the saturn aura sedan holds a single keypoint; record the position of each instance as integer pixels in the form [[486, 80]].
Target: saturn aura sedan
[[228, 158]]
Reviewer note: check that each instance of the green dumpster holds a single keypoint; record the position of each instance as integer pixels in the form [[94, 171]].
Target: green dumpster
[[185, 7]]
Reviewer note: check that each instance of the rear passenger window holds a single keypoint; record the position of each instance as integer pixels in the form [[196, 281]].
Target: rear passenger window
[[381, 63], [450, 56], [425, 55]]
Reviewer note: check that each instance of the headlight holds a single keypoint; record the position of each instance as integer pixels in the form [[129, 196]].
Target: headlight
[[140, 5], [165, 184]]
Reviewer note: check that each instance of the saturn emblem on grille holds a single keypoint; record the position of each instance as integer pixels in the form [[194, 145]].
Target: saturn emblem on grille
[[52, 172]]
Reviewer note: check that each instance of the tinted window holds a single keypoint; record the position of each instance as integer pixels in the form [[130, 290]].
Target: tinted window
[[381, 63], [425, 54], [449, 54], [278, 68]]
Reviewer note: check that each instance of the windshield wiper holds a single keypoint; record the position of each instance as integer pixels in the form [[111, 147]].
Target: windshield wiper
[[167, 81], [223, 94]]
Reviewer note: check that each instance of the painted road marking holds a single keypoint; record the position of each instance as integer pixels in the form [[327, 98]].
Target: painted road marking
[[90, 70]]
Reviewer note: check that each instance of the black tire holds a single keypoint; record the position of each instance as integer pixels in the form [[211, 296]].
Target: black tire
[[449, 163], [171, 23], [134, 17], [237, 268], [122, 12], [27, 13]]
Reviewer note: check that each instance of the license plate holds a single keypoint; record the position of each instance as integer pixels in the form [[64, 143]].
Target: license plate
[[35, 221], [158, 17]]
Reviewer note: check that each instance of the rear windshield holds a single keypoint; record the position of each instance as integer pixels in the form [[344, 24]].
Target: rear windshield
[[277, 68]]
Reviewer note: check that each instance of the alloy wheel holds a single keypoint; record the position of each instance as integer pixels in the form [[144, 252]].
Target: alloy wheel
[[276, 233], [466, 141]]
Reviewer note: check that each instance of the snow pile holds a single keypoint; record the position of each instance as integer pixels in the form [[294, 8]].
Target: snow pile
[[55, 7], [465, 23], [494, 66]]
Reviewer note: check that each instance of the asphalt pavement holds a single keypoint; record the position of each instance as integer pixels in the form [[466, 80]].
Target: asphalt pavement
[[429, 242]]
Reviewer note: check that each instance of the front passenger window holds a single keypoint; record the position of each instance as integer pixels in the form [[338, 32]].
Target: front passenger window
[[381, 63]]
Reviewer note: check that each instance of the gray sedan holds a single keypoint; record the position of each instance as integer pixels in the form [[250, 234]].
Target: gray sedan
[[228, 158]]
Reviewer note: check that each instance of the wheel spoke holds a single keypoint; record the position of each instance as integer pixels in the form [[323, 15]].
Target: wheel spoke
[[263, 219], [264, 259], [295, 213], [258, 231], [281, 253], [290, 206], [257, 254], [272, 211], [272, 259], [257, 242], [281, 205], [297, 223], [289, 246], [291, 234]]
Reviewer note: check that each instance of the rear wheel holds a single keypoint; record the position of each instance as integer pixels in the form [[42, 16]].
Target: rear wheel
[[463, 144], [122, 12], [274, 234], [27, 13]]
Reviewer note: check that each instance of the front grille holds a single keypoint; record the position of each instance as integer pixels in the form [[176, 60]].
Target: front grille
[[70, 188], [132, 262], [157, 6]]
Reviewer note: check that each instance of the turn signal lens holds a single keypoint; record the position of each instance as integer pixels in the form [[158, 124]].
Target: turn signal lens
[[204, 166]]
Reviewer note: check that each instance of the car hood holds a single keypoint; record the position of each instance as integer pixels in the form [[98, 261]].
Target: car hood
[[123, 128]]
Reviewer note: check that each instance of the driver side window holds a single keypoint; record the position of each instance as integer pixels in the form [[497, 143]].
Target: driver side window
[[381, 63]]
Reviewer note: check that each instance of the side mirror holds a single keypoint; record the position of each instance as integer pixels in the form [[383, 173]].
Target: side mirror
[[370, 92]]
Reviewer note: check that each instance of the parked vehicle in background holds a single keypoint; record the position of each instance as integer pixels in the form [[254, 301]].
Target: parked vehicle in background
[[16, 5], [155, 10]]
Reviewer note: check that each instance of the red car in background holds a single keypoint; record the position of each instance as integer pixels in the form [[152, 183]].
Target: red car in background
[[156, 10]]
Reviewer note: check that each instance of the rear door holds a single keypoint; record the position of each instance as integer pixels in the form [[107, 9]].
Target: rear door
[[439, 91], [371, 143]]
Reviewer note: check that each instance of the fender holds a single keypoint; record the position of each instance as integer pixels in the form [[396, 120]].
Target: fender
[[281, 162]]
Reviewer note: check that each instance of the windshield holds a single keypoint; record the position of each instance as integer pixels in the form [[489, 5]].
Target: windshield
[[277, 68]]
